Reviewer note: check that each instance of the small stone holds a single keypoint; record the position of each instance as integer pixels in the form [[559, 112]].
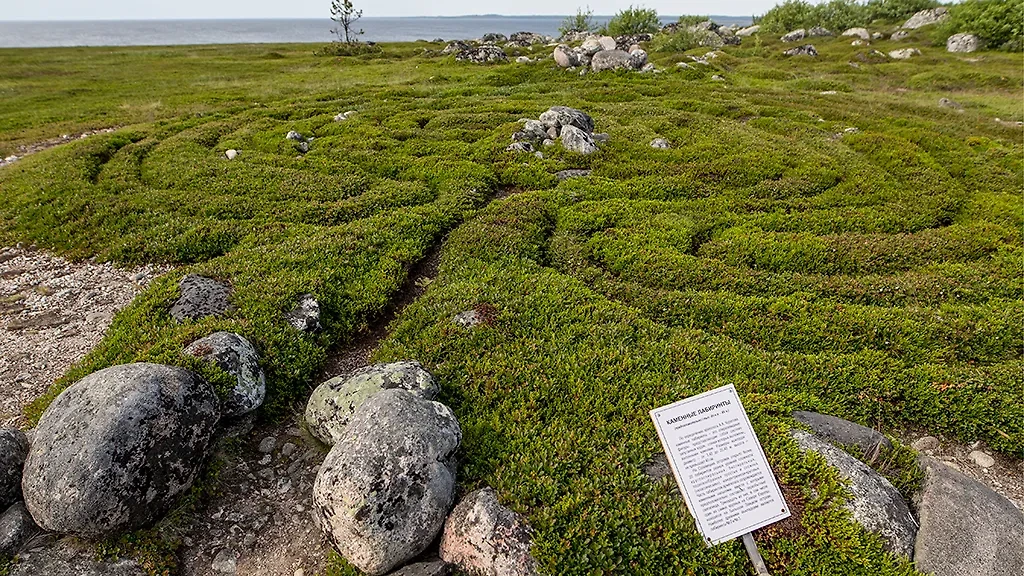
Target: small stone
[[231, 154], [16, 527], [947, 103], [718, 78], [306, 314], [982, 459], [904, 53], [293, 135], [225, 562], [267, 444], [468, 319], [925, 443], [235, 355], [660, 143], [523, 60], [288, 449], [567, 174]]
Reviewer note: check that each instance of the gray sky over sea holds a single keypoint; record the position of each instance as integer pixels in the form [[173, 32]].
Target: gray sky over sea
[[202, 9]]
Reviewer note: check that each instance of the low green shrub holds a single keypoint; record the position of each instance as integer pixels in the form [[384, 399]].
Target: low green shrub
[[999, 23], [836, 15], [583, 21], [633, 20], [348, 49], [682, 40], [897, 11]]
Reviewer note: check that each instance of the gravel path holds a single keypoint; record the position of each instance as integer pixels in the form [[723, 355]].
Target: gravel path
[[53, 312]]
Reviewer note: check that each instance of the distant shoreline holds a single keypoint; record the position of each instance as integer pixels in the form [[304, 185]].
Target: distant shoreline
[[71, 33]]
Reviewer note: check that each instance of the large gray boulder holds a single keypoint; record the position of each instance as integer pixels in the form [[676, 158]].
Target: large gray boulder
[[967, 529], [748, 31], [576, 140], [962, 43], [13, 450], [927, 17], [861, 33], [819, 32], [235, 355], [610, 60], [794, 36], [16, 527], [565, 56], [115, 450], [333, 404], [559, 116], [67, 558], [201, 297], [875, 504], [385, 489], [484, 538], [844, 432]]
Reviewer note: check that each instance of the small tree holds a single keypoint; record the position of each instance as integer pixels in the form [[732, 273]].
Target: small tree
[[345, 15], [581, 22], [633, 20]]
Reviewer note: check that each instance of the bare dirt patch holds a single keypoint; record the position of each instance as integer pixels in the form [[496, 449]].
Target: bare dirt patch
[[27, 149], [52, 312]]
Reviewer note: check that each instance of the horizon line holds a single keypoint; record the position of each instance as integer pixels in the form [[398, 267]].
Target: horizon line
[[191, 19]]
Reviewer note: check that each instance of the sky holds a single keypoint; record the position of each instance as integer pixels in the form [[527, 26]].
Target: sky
[[200, 9]]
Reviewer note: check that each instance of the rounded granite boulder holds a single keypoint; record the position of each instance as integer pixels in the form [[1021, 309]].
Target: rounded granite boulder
[[385, 489], [115, 450], [333, 403]]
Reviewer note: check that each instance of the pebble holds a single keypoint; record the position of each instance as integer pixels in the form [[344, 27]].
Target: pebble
[[288, 449], [267, 444], [231, 154], [925, 443], [982, 459]]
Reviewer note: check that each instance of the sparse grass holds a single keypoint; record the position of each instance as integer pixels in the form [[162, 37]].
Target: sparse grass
[[873, 275]]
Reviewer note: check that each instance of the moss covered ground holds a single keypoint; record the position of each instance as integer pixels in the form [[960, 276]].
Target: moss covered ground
[[871, 274]]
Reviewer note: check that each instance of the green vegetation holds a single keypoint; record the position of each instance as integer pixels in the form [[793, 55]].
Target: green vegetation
[[633, 20], [839, 15], [583, 21], [873, 275], [999, 23]]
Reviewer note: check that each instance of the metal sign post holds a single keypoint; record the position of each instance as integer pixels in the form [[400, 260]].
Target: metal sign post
[[755, 556]]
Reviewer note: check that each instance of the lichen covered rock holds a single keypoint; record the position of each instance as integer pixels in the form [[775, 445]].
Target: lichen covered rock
[[235, 355], [333, 403], [385, 489], [115, 450]]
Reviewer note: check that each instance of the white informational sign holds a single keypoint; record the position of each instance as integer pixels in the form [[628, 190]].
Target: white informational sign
[[719, 465]]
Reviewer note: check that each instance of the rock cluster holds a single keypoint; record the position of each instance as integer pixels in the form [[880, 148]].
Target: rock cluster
[[573, 127], [964, 528], [601, 53], [805, 50], [526, 39], [386, 490], [484, 54]]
